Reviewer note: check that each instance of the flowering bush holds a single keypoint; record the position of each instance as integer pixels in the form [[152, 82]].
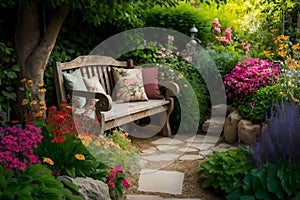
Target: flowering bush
[[249, 76], [256, 107], [288, 54], [115, 148], [16, 146]]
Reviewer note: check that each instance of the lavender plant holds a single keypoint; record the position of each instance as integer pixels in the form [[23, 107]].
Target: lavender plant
[[280, 137]]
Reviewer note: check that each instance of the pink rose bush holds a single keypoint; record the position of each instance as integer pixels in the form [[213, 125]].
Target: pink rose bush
[[249, 76]]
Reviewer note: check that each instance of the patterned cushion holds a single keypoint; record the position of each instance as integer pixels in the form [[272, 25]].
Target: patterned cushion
[[93, 85], [129, 85], [74, 81]]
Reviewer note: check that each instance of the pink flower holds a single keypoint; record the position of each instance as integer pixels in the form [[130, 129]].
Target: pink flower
[[111, 175], [125, 183], [217, 31], [224, 40], [228, 34], [216, 22], [111, 184], [243, 44]]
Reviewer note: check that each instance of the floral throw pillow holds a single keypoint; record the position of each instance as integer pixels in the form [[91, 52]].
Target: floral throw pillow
[[93, 85], [129, 85]]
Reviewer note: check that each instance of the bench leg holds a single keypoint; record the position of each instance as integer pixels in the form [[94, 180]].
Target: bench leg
[[166, 130]]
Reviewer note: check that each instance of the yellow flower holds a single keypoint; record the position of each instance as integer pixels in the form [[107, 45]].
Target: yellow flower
[[43, 108], [85, 143], [23, 80], [39, 114], [296, 46], [79, 157], [29, 82], [295, 100], [42, 103], [97, 143], [282, 53], [42, 90], [24, 102], [49, 161], [33, 102], [40, 84]]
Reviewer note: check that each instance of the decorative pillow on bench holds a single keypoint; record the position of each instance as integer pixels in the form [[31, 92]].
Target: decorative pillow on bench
[[74, 81], [129, 85], [150, 80], [93, 85]]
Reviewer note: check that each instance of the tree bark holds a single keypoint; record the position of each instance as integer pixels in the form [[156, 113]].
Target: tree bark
[[34, 49]]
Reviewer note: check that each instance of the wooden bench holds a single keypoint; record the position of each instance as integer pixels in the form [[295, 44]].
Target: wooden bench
[[112, 113]]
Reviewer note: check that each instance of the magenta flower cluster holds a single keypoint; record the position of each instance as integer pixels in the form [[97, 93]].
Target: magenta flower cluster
[[249, 76], [116, 179], [16, 146]]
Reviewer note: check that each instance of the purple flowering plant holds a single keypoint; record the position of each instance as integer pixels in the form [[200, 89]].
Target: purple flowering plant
[[249, 76], [17, 146]]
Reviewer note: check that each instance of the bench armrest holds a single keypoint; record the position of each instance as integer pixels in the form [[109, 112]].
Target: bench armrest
[[104, 103], [172, 88]]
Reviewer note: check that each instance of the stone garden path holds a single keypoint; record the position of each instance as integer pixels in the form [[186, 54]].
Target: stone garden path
[[152, 179]]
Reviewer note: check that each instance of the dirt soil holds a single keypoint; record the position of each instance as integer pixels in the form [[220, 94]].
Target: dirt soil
[[192, 183]]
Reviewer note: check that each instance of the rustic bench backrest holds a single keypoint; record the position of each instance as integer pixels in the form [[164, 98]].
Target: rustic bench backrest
[[92, 65]]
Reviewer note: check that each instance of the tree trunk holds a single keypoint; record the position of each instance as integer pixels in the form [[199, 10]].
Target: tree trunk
[[33, 47]]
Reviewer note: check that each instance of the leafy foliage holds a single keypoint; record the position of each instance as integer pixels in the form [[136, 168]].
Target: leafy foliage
[[256, 107], [273, 181], [35, 182], [8, 77], [223, 171]]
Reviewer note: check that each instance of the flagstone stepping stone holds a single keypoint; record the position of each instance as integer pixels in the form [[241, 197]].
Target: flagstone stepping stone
[[220, 149], [167, 141], [161, 181], [148, 151], [143, 197], [161, 157], [196, 139], [224, 145], [191, 157], [205, 153], [203, 146], [188, 150], [166, 147], [180, 199], [143, 163]]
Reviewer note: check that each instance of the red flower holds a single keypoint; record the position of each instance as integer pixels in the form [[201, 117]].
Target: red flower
[[58, 139]]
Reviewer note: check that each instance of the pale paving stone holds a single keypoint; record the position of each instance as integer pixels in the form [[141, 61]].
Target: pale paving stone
[[203, 146], [161, 181], [191, 157], [205, 153], [196, 138], [143, 197], [148, 151], [180, 199], [220, 149], [167, 141], [224, 145], [188, 150], [143, 163], [161, 157], [166, 147]]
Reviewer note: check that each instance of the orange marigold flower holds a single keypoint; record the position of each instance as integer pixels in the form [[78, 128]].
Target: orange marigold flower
[[40, 84], [42, 90], [48, 160], [85, 143], [282, 53], [33, 102], [39, 114], [97, 143], [23, 80], [25, 102], [29, 82], [296, 46], [43, 108], [79, 157], [42, 103]]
